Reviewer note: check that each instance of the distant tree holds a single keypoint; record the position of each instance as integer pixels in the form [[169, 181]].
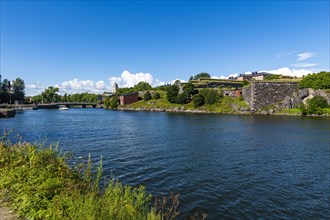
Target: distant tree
[[319, 80], [114, 102], [156, 96], [198, 100], [210, 95], [191, 78], [147, 96], [189, 89], [172, 93], [50, 95], [142, 86], [18, 89], [182, 98], [202, 75], [65, 97]]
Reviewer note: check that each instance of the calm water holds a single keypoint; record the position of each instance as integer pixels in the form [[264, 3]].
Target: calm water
[[230, 167]]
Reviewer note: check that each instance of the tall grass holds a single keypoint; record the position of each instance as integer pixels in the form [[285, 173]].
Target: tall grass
[[39, 184]]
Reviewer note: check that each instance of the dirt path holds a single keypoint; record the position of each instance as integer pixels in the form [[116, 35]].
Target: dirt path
[[6, 214]]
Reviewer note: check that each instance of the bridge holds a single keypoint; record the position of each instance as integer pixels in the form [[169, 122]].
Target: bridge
[[48, 105]]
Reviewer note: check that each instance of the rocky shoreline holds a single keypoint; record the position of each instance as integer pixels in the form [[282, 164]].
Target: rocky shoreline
[[182, 110]]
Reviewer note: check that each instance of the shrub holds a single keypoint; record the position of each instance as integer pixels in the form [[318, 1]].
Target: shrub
[[40, 185], [182, 98], [172, 92], [156, 96], [114, 102], [198, 100], [319, 80], [210, 95], [147, 96], [315, 105]]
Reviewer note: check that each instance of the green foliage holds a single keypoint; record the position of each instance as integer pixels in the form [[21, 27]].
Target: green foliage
[[316, 105], [172, 93], [40, 185], [210, 95], [319, 80], [198, 100], [189, 89], [50, 95], [200, 75], [114, 102], [182, 98], [156, 96], [142, 86], [11, 91], [272, 77], [245, 83], [18, 89], [147, 96]]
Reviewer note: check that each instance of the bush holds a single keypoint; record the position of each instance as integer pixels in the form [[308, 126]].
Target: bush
[[315, 105], [210, 95], [40, 185], [172, 93], [156, 96], [147, 96], [114, 102], [182, 98], [319, 80], [198, 100]]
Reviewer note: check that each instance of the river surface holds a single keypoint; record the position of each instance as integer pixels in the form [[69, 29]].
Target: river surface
[[226, 166]]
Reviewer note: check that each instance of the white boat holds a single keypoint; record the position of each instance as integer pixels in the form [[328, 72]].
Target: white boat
[[63, 107]]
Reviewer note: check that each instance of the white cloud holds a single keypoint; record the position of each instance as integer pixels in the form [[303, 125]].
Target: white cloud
[[219, 77], [304, 65], [305, 56], [289, 72], [282, 54], [80, 86], [34, 88], [181, 80], [128, 79]]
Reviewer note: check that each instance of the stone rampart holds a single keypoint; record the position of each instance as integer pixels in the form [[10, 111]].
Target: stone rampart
[[262, 94]]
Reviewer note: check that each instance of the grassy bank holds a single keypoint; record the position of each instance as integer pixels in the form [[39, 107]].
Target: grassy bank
[[224, 105], [38, 184]]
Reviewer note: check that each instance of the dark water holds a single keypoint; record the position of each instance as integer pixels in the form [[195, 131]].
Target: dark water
[[230, 167]]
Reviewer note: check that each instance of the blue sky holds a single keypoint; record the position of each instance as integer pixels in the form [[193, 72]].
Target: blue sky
[[87, 45]]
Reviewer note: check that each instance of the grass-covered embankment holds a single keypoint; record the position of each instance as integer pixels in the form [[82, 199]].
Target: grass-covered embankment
[[225, 105], [38, 184]]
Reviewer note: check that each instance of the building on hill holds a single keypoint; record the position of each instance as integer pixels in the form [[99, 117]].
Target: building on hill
[[115, 88], [215, 83], [253, 76]]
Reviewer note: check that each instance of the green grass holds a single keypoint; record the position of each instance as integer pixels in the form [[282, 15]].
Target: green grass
[[39, 184], [292, 111], [225, 105]]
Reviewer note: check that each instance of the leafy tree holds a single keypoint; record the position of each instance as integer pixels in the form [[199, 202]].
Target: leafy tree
[[315, 105], [172, 93], [319, 80], [18, 89], [142, 86], [50, 95], [198, 100], [272, 77], [147, 96], [114, 102], [182, 98], [156, 96], [201, 75], [189, 89], [210, 95]]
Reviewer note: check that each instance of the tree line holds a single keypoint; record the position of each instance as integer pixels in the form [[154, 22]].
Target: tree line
[[12, 91]]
